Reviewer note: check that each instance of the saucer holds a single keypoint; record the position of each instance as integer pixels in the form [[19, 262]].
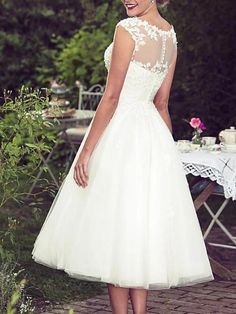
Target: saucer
[[227, 150], [211, 148]]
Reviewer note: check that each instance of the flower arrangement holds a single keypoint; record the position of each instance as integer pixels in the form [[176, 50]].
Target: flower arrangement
[[198, 127], [58, 88]]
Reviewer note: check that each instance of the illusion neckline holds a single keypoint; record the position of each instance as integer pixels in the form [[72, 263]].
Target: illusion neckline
[[154, 26]]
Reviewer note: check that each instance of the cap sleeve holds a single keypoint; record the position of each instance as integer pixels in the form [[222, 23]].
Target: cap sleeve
[[130, 25]]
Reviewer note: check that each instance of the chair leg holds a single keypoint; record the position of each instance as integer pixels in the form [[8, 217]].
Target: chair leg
[[215, 220], [73, 152], [45, 162], [68, 161]]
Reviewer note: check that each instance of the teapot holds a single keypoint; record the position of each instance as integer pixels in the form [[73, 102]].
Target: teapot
[[228, 136]]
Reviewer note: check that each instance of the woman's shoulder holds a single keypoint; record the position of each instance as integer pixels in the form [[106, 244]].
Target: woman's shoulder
[[127, 22], [165, 25]]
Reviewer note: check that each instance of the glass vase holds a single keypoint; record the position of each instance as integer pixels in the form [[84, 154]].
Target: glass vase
[[196, 139]]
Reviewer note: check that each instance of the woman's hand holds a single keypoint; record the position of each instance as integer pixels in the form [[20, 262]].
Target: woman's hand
[[81, 169]]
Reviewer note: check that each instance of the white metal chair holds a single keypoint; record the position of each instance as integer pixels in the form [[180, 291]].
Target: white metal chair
[[88, 100], [73, 136]]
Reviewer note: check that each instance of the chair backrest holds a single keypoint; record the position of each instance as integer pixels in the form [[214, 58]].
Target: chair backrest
[[90, 98]]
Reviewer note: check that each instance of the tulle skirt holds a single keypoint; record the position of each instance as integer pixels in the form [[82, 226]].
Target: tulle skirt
[[135, 224]]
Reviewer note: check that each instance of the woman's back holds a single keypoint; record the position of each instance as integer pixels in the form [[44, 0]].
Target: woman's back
[[154, 52]]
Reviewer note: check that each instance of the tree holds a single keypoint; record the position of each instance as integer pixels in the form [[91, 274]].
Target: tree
[[75, 61], [203, 84], [29, 38]]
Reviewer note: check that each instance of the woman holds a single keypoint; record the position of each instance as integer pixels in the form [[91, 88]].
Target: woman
[[124, 215]]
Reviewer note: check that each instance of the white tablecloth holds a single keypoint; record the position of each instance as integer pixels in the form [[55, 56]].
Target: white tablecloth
[[220, 167]]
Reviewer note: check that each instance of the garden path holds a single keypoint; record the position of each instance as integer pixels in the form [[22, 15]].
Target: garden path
[[212, 297]]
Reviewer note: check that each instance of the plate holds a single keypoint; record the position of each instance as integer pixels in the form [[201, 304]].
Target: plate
[[60, 114]]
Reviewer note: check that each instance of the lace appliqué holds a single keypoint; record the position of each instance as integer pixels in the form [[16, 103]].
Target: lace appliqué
[[107, 55], [152, 30], [174, 38], [131, 26], [157, 68], [139, 30]]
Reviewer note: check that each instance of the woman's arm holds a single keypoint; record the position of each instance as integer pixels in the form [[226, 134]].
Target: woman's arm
[[161, 99], [123, 46]]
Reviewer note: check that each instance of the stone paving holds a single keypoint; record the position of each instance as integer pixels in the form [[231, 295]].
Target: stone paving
[[206, 298]]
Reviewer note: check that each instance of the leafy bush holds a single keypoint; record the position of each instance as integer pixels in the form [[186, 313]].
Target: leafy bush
[[12, 288], [82, 57], [74, 62], [203, 84], [24, 134], [29, 37], [12, 291]]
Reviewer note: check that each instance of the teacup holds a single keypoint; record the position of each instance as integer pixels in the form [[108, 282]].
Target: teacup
[[184, 145], [208, 140], [228, 147]]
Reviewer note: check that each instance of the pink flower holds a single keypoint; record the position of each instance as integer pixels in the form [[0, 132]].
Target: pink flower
[[202, 126], [52, 82], [195, 122]]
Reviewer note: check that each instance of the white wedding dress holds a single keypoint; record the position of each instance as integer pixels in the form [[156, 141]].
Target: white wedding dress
[[135, 224]]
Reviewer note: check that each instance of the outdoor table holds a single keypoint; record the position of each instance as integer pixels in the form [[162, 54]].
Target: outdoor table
[[81, 116], [220, 168]]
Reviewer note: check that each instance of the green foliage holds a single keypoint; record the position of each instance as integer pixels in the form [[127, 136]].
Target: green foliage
[[29, 37], [13, 298], [7, 235], [24, 134], [75, 61], [203, 84], [67, 38]]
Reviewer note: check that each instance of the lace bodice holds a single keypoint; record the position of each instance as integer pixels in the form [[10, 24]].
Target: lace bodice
[[152, 56]]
